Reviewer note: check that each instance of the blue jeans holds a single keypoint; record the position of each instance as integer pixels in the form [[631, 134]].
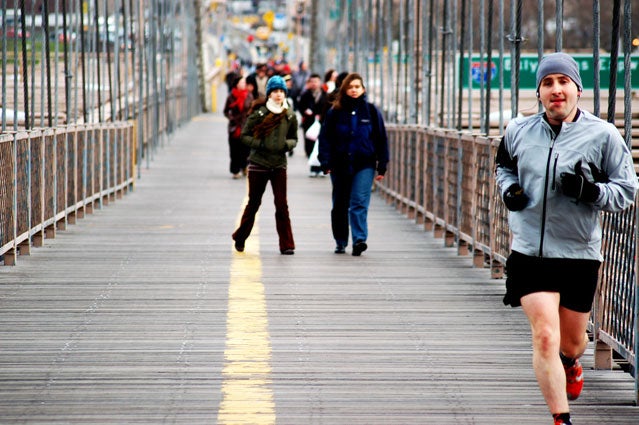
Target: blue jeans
[[351, 198]]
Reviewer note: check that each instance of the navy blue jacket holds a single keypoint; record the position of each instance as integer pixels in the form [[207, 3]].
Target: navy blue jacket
[[353, 138]]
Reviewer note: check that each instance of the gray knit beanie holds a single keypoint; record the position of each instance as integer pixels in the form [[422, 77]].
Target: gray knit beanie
[[559, 63]]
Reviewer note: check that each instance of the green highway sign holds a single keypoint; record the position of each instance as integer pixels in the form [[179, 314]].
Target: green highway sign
[[528, 69]]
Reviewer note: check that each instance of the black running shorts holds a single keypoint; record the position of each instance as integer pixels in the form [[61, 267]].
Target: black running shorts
[[574, 279]]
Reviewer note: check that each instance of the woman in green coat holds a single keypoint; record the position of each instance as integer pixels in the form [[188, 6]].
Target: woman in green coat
[[270, 132]]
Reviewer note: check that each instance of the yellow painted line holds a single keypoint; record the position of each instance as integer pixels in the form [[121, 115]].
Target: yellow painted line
[[247, 394]]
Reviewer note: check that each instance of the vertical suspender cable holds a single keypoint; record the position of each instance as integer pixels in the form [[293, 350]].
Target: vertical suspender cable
[[354, 14], [117, 95], [67, 71], [482, 66], [422, 37], [75, 55], [125, 115], [34, 63], [413, 83], [418, 48], [377, 48], [388, 18], [97, 62], [154, 69], [470, 58], [140, 117], [3, 30], [614, 56], [596, 63], [25, 70], [429, 74], [445, 33], [559, 26], [515, 39], [47, 60], [108, 58], [365, 40], [460, 93], [398, 71], [627, 87], [540, 39], [83, 49], [489, 65], [501, 66], [453, 67]]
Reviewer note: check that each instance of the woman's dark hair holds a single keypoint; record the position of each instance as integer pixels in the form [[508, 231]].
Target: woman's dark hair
[[236, 80], [344, 88], [328, 75]]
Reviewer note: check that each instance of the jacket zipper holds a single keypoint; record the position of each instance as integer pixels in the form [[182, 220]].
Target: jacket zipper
[[544, 205]]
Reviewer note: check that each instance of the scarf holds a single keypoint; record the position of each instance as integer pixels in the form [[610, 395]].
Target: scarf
[[271, 120], [351, 103], [240, 98], [274, 107]]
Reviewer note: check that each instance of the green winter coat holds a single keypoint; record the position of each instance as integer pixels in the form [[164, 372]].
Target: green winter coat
[[270, 152]]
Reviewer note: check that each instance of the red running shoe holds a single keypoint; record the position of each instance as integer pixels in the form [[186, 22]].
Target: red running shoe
[[562, 422], [574, 380]]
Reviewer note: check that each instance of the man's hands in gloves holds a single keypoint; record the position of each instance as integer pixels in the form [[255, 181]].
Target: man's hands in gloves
[[515, 198], [579, 187]]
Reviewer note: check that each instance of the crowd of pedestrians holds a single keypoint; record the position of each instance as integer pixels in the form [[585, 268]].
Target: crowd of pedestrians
[[266, 107]]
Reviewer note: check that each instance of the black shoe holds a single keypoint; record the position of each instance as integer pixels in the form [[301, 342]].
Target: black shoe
[[339, 249], [239, 246], [358, 248], [289, 251]]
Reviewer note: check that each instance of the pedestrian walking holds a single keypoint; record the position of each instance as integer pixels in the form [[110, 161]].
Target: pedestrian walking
[[556, 171], [353, 146], [236, 110], [270, 132], [311, 106]]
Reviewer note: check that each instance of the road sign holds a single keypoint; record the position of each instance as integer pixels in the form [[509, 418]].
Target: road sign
[[528, 69]]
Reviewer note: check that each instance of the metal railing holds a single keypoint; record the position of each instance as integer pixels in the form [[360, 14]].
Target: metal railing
[[445, 180], [86, 98], [51, 177]]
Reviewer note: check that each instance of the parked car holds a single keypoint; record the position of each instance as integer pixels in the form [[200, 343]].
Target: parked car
[[59, 36], [13, 32]]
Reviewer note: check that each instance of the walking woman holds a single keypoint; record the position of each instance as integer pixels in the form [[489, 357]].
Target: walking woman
[[352, 147], [236, 110], [270, 132]]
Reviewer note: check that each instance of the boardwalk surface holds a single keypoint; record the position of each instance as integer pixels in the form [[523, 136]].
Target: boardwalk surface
[[143, 313]]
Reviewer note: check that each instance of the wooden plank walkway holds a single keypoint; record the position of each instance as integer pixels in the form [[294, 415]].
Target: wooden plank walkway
[[143, 313]]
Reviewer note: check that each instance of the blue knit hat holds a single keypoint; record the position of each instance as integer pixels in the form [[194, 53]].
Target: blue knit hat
[[275, 82], [559, 63]]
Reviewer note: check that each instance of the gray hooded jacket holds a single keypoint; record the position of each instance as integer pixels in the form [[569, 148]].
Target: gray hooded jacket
[[554, 225]]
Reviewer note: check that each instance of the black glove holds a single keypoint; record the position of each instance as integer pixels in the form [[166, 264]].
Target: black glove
[[579, 187], [515, 198], [598, 175]]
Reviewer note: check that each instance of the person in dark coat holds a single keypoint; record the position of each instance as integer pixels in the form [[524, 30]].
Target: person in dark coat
[[353, 147], [311, 106], [236, 110]]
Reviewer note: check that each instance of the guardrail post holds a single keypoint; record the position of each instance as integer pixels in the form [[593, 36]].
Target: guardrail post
[[603, 355], [479, 259], [10, 257], [449, 239], [462, 248], [496, 269], [438, 231]]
